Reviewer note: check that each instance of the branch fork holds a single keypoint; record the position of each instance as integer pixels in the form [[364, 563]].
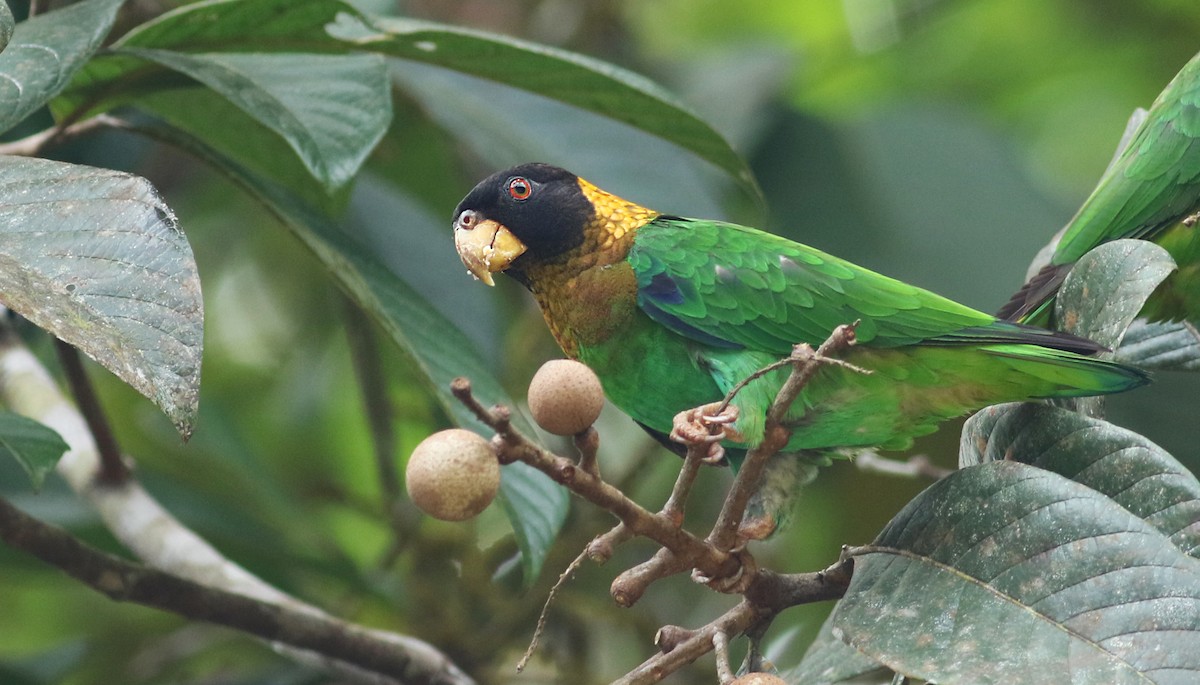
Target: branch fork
[[721, 560]]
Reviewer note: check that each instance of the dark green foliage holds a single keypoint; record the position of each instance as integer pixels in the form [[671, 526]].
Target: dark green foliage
[[879, 142]]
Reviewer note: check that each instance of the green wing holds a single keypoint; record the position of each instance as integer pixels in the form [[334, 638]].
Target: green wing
[[1154, 182], [730, 286]]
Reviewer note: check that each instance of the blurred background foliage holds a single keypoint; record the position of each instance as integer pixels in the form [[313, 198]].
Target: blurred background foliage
[[938, 141]]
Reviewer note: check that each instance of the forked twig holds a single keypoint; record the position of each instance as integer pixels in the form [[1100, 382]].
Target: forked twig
[[717, 560]]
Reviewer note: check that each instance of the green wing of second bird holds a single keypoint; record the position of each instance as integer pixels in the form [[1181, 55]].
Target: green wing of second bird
[[1150, 191]]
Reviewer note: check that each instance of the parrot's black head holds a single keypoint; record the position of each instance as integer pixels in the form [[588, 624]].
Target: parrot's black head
[[533, 211]]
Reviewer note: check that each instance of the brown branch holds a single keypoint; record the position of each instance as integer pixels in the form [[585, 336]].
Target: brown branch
[[720, 642], [601, 548], [680, 647], [717, 560], [125, 581], [113, 470], [512, 445], [140, 523], [695, 458], [629, 587], [776, 433], [768, 594]]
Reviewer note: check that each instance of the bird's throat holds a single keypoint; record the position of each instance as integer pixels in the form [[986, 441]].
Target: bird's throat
[[589, 293]]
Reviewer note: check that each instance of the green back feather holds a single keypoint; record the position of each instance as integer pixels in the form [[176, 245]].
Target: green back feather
[[736, 287]]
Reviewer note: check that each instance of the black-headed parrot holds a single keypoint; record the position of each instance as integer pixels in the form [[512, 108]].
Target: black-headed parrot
[[671, 313]]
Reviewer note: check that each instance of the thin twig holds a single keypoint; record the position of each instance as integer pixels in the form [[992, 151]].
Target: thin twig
[[588, 444], [916, 466], [113, 470], [674, 508], [541, 622], [720, 642]]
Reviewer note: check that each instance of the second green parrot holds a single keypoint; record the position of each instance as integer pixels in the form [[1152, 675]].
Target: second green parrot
[[671, 313], [1150, 191]]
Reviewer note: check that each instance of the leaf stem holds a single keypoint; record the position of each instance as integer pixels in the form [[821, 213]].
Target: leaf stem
[[34, 144], [113, 470]]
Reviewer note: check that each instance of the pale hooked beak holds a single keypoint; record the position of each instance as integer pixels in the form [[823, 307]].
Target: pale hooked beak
[[485, 247]]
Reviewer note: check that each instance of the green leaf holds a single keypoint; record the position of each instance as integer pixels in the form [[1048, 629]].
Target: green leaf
[[829, 661], [246, 26], [1107, 287], [45, 52], [1134, 472], [330, 109], [568, 77], [94, 257], [1162, 346], [479, 114], [535, 505], [226, 26], [7, 25], [36, 448], [1003, 572]]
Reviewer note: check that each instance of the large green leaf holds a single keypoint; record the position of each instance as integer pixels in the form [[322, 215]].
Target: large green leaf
[[1004, 572], [568, 77], [1107, 288], [260, 56], [829, 661], [45, 52], [256, 26], [1133, 471], [1164, 346], [94, 256], [536, 506], [479, 114], [7, 25], [330, 109], [36, 448]]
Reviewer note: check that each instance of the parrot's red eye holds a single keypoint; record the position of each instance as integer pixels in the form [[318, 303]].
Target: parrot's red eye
[[519, 188]]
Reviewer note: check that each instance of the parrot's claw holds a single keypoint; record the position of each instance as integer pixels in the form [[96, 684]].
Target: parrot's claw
[[739, 582], [706, 426]]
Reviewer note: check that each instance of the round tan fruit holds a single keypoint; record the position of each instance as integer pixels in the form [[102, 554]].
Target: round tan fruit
[[565, 397], [453, 475]]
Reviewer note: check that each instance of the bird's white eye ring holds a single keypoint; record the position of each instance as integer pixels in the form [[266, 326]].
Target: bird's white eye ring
[[467, 219]]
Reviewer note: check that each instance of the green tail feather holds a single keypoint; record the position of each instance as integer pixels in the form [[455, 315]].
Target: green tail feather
[[1071, 375]]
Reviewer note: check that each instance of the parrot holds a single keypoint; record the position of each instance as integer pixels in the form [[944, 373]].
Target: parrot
[[1151, 190], [671, 313]]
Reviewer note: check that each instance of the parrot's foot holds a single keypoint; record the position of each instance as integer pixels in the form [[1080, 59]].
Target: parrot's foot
[[707, 425], [737, 583]]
